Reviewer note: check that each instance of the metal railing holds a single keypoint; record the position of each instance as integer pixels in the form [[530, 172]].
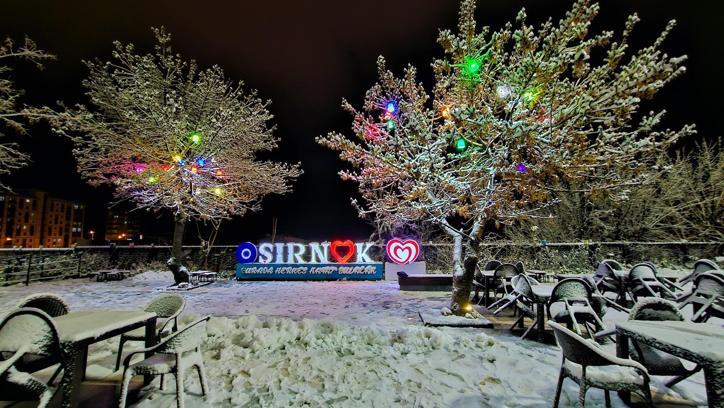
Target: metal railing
[[39, 264]]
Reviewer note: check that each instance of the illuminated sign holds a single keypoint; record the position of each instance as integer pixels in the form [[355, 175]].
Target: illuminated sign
[[403, 252], [334, 260]]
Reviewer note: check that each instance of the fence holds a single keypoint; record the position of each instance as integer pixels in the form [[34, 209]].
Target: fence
[[38, 264]]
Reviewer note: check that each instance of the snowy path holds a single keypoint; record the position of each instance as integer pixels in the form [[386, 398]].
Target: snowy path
[[339, 344]]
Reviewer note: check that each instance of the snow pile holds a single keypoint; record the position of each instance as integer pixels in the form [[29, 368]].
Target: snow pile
[[281, 362]]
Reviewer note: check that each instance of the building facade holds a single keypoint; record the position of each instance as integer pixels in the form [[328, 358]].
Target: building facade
[[122, 226], [35, 219]]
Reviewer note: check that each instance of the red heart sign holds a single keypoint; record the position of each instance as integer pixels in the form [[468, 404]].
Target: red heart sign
[[349, 253], [402, 252]]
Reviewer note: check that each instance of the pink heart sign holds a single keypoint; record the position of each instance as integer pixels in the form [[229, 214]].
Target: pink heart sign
[[402, 252]]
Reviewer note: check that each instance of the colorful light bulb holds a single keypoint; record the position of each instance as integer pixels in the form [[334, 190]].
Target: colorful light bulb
[[446, 113], [391, 107], [471, 66], [219, 172], [152, 180], [461, 144], [218, 191], [390, 125], [521, 168], [194, 169], [200, 162], [195, 137]]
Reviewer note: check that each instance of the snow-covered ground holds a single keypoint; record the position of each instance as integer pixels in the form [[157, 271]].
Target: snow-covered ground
[[340, 344]]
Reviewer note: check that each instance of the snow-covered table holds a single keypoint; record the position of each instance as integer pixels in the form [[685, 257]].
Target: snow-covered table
[[78, 330], [701, 343]]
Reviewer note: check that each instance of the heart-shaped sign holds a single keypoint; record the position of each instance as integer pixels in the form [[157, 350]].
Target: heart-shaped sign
[[346, 255], [403, 252]]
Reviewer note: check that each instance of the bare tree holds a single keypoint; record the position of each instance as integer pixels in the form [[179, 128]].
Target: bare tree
[[516, 116], [170, 136], [14, 115]]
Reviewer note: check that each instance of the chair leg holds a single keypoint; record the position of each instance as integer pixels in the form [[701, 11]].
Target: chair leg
[[55, 374], [680, 378], [180, 394], [162, 381], [607, 394], [582, 395], [127, 374], [120, 352], [647, 395], [558, 388], [202, 378], [532, 326]]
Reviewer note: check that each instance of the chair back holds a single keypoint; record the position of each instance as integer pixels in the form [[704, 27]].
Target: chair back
[[642, 271], [167, 305], [519, 265], [491, 265], [704, 265], [31, 330], [505, 271], [51, 304], [186, 339], [613, 264], [655, 309], [522, 284], [603, 270], [709, 285], [571, 288], [576, 349]]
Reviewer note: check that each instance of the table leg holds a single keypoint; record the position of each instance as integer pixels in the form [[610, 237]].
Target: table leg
[[150, 341], [486, 295], [714, 378], [622, 351], [75, 364], [540, 312]]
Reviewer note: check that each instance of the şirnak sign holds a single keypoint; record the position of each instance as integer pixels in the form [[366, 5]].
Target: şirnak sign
[[336, 260]]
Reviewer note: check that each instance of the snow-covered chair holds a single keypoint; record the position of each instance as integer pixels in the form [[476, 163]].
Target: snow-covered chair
[[51, 304], [656, 361], [700, 266], [501, 279], [591, 367], [605, 277], [525, 303], [706, 297], [174, 355], [570, 303], [26, 331], [167, 308], [510, 298], [642, 281]]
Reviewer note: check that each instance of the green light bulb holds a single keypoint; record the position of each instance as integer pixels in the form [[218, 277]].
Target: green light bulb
[[461, 145], [472, 65], [390, 125], [195, 137], [152, 180]]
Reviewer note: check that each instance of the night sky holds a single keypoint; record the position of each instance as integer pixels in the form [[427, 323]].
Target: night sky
[[306, 56]]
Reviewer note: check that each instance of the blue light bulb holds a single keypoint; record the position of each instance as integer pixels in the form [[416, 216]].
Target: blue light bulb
[[391, 107], [200, 162]]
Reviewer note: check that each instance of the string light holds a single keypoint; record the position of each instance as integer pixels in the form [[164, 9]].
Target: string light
[[390, 125], [521, 168], [194, 169], [200, 161], [461, 145], [195, 137], [152, 180], [219, 172], [177, 158], [218, 191], [392, 107], [446, 112]]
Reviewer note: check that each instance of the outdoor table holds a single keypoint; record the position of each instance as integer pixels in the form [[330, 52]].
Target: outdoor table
[[542, 294], [537, 273], [561, 276], [700, 343], [78, 330]]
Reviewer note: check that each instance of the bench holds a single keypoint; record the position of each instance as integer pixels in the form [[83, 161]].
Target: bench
[[425, 282], [202, 276]]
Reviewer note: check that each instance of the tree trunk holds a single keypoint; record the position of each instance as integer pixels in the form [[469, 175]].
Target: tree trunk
[[463, 273], [175, 264]]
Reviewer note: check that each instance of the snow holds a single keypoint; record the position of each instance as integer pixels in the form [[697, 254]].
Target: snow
[[339, 344]]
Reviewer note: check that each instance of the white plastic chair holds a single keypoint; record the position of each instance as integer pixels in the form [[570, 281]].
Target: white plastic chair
[[173, 355]]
